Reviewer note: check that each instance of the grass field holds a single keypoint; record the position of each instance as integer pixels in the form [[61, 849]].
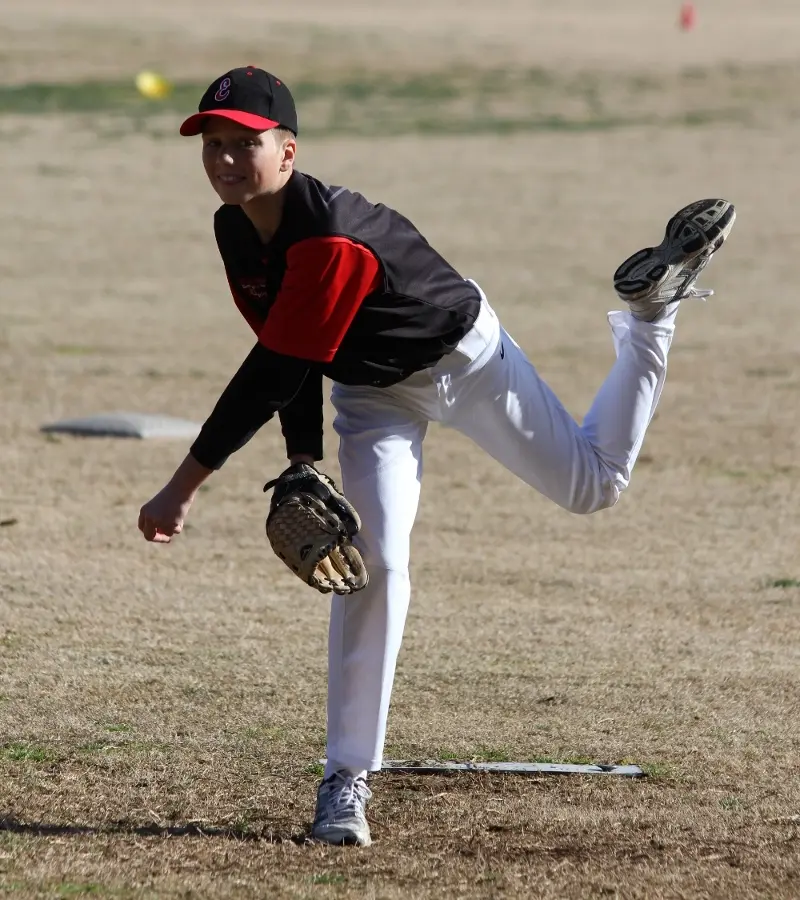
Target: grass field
[[162, 708]]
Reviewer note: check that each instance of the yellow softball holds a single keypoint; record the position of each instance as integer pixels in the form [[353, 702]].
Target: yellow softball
[[152, 85]]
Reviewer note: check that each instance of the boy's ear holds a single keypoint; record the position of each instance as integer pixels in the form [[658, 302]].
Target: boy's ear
[[289, 153]]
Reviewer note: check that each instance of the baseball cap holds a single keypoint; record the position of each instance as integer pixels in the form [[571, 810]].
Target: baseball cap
[[249, 96]]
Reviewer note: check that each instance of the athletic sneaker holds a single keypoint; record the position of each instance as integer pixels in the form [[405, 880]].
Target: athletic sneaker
[[341, 816], [658, 277]]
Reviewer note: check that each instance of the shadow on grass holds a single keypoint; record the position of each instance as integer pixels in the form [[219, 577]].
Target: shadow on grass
[[14, 825]]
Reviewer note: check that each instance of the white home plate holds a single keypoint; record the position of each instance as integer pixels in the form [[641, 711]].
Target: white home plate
[[126, 424], [437, 767]]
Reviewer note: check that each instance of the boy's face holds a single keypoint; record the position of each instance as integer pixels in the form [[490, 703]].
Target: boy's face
[[242, 164]]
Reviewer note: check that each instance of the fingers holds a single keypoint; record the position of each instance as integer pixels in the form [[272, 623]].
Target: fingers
[[155, 532], [163, 516], [151, 532]]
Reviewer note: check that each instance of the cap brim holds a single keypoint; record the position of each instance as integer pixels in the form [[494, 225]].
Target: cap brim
[[195, 124]]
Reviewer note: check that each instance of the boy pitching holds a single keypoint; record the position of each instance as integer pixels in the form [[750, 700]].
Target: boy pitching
[[333, 285]]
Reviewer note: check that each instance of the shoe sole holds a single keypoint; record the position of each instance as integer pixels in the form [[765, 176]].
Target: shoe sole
[[693, 234], [341, 838]]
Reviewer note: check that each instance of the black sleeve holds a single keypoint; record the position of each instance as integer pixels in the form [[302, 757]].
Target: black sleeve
[[264, 384], [301, 420]]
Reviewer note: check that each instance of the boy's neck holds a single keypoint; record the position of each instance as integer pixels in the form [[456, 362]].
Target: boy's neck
[[266, 212]]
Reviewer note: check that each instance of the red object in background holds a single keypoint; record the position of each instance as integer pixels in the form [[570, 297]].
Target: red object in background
[[688, 16]]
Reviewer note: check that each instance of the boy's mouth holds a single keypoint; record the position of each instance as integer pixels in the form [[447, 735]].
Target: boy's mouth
[[230, 179]]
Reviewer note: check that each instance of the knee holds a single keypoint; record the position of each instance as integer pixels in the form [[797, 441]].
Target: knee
[[383, 552], [592, 497]]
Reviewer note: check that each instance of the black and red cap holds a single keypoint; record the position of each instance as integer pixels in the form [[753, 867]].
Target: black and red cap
[[248, 96]]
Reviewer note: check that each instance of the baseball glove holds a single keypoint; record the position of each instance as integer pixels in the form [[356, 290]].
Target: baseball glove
[[310, 526]]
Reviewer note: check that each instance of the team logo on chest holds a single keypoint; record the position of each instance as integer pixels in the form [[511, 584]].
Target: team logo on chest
[[255, 288], [223, 91]]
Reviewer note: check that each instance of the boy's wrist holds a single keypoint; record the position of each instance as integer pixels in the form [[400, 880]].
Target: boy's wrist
[[296, 458], [189, 475]]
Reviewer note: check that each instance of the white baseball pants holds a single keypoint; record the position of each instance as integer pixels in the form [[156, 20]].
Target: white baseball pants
[[489, 391]]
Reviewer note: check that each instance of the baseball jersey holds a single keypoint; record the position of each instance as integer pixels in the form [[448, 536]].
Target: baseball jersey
[[345, 289]]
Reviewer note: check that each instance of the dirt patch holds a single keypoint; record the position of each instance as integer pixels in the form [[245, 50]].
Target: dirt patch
[[187, 38]]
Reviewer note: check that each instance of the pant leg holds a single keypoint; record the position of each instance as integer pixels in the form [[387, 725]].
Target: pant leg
[[508, 409], [380, 455]]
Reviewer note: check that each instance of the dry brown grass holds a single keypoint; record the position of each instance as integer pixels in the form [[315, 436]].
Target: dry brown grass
[[161, 708]]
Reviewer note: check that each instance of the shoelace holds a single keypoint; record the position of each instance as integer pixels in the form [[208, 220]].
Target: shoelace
[[351, 796], [700, 293], [691, 274]]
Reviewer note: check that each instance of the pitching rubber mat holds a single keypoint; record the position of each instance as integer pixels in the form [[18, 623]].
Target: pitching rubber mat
[[437, 767]]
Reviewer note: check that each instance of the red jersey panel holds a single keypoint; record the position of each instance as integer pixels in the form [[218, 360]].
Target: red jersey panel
[[325, 283]]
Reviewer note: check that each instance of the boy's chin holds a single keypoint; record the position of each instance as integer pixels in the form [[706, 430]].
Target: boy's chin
[[234, 195]]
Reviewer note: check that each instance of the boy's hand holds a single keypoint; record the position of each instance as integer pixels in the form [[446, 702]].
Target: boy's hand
[[163, 516]]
